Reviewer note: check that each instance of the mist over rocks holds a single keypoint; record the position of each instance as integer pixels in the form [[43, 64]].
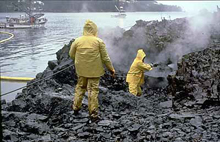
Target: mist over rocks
[[152, 36], [164, 42], [43, 111]]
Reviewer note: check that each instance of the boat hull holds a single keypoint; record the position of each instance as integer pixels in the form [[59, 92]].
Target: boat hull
[[118, 16], [20, 26]]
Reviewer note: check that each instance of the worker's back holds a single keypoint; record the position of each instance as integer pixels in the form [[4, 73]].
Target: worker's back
[[88, 60]]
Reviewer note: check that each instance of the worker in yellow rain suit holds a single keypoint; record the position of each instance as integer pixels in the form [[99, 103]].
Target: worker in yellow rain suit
[[89, 54], [135, 76]]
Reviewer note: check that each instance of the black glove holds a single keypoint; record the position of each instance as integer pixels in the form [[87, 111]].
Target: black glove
[[112, 72]]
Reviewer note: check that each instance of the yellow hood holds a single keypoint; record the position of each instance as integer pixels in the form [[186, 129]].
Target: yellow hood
[[90, 28], [141, 54]]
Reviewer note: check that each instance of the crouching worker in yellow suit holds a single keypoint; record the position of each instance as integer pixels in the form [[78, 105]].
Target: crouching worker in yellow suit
[[135, 76], [89, 54]]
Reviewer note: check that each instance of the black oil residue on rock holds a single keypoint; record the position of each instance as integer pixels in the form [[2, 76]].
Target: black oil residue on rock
[[197, 77]]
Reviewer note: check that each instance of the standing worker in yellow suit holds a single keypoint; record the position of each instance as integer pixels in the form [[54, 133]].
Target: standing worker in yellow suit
[[135, 76], [89, 54]]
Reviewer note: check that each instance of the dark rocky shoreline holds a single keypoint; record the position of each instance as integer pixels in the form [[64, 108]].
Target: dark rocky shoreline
[[43, 111]]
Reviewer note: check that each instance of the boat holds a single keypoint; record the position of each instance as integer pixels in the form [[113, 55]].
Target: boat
[[29, 20], [121, 12]]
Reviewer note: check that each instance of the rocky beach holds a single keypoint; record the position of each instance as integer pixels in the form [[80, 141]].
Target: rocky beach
[[180, 101]]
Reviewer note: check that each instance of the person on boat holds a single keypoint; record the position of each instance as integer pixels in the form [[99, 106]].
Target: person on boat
[[89, 54], [32, 20], [135, 75]]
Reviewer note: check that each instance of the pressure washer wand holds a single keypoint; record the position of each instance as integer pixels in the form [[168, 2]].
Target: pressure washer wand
[[156, 64], [152, 64]]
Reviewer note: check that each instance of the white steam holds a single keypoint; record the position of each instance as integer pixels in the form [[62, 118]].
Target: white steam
[[123, 49], [84, 7], [196, 37]]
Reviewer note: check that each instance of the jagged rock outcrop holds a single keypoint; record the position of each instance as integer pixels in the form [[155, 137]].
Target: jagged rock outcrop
[[197, 77]]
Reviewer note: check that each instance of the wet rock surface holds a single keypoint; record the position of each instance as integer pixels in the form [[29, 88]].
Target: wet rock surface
[[43, 111], [197, 78]]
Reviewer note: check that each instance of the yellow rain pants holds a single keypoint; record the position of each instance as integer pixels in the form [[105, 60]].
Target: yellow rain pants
[[92, 85], [135, 89]]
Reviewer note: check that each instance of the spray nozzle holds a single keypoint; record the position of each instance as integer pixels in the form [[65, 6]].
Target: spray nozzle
[[154, 64]]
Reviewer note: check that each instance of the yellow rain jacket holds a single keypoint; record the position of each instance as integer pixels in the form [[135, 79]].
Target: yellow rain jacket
[[135, 76], [91, 53]]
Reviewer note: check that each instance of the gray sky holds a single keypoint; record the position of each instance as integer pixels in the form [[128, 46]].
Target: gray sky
[[193, 6]]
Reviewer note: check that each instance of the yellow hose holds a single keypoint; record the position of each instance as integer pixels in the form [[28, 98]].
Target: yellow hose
[[4, 40], [16, 78]]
